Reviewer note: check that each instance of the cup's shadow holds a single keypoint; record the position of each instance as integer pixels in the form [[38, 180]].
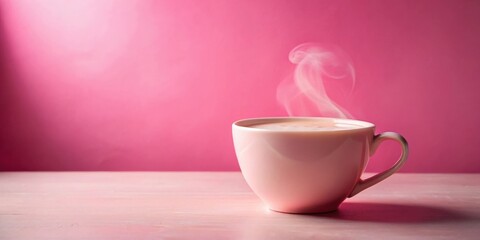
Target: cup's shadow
[[393, 213]]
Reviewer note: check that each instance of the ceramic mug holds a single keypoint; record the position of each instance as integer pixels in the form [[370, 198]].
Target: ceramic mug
[[308, 165]]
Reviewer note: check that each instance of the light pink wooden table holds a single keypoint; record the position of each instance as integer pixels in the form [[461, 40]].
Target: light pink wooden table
[[206, 205]]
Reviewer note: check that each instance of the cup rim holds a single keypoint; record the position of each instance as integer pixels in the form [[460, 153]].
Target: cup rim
[[245, 124]]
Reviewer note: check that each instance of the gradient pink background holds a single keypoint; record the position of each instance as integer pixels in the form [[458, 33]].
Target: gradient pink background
[[155, 85]]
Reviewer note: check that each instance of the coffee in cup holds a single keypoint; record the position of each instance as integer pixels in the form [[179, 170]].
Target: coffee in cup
[[308, 164]]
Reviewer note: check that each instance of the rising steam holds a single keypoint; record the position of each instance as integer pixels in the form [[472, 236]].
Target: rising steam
[[306, 94]]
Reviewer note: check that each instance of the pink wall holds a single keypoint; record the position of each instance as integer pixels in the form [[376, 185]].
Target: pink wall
[[155, 85]]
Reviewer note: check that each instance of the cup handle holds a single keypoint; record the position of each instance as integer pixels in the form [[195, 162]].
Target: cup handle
[[377, 139]]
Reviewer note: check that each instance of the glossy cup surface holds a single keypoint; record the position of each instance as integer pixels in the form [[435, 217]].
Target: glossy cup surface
[[302, 171]]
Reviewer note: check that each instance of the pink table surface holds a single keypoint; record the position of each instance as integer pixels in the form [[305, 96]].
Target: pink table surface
[[219, 205]]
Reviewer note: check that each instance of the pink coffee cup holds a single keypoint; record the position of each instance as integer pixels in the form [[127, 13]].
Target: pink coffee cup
[[307, 164]]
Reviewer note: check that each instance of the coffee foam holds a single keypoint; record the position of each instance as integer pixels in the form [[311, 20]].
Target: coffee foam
[[303, 125]]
